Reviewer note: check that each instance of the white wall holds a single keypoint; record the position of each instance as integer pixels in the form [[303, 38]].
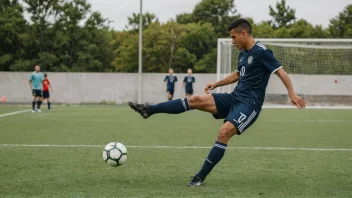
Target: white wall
[[123, 87]]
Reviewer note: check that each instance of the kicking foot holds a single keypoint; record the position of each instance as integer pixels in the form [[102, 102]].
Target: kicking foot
[[140, 108], [33, 111], [195, 182], [38, 110]]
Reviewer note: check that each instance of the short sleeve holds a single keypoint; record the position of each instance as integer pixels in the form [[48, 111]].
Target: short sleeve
[[194, 79], [31, 77], [175, 78], [42, 77], [48, 82], [185, 79], [270, 62], [165, 79]]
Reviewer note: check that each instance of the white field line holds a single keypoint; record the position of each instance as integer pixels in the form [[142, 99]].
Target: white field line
[[338, 121], [307, 107], [177, 147], [13, 113]]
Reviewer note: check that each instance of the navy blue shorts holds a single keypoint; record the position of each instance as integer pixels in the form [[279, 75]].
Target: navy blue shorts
[[241, 115], [37, 92], [171, 91], [46, 94], [189, 91]]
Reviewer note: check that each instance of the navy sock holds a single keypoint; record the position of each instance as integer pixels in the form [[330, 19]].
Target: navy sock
[[171, 107], [49, 105], [215, 155], [33, 104], [38, 104]]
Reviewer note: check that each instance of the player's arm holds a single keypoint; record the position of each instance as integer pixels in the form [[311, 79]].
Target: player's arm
[[165, 79], [232, 78], [42, 80], [296, 100], [30, 84], [184, 83], [51, 89], [175, 83], [30, 81]]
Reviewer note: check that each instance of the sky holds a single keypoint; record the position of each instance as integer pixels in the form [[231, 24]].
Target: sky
[[317, 12]]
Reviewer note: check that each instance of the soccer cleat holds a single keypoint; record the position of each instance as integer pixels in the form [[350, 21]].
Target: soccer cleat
[[141, 109], [195, 182], [33, 111], [38, 110]]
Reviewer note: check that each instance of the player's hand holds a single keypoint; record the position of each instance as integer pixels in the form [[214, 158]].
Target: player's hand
[[209, 87], [298, 101]]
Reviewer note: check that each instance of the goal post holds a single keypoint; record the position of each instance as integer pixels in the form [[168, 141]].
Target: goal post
[[320, 69]]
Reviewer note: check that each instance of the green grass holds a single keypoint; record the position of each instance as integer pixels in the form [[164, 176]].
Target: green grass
[[164, 172], [8, 109]]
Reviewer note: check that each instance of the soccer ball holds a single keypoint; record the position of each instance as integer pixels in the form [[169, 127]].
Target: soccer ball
[[115, 154]]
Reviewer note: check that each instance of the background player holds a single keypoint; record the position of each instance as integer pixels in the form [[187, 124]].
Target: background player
[[170, 81], [187, 84], [46, 86], [35, 82], [240, 108]]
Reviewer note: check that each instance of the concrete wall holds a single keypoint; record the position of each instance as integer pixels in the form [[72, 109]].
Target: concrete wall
[[123, 87]]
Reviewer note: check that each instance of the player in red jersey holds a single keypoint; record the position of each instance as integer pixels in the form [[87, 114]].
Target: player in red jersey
[[46, 86]]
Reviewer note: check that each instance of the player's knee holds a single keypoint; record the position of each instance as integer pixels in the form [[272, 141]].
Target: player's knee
[[225, 134], [194, 101]]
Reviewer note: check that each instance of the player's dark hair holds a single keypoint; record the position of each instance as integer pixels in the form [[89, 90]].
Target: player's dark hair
[[241, 23], [45, 75]]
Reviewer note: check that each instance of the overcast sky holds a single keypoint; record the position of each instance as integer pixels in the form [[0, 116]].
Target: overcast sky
[[315, 11]]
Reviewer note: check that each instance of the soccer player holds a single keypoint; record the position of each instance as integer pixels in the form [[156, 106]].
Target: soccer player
[[239, 109], [170, 81], [35, 82], [187, 84], [46, 86]]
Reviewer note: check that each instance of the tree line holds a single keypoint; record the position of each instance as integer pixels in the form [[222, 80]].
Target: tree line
[[68, 36]]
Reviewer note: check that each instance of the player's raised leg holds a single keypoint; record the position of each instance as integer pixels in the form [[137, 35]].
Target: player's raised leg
[[204, 103], [216, 153]]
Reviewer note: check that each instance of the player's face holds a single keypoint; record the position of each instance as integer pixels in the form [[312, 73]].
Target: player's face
[[238, 38], [171, 71], [189, 72], [37, 68]]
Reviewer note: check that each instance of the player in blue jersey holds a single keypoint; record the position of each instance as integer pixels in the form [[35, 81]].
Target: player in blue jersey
[[35, 82], [170, 81], [187, 84], [240, 108]]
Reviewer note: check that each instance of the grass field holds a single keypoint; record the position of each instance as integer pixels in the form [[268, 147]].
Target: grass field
[[286, 153]]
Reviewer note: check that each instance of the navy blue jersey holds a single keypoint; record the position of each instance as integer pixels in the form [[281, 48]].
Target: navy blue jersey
[[254, 67], [189, 80], [170, 80]]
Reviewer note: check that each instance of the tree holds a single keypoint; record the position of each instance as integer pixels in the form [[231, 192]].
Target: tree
[[219, 13], [341, 25], [304, 29], [283, 16], [199, 39], [168, 45], [207, 64], [12, 30], [184, 18], [263, 30], [147, 19]]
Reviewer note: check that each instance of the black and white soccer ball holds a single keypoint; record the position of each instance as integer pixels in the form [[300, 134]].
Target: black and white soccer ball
[[115, 154]]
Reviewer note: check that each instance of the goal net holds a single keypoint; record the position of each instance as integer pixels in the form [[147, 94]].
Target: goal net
[[320, 70]]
